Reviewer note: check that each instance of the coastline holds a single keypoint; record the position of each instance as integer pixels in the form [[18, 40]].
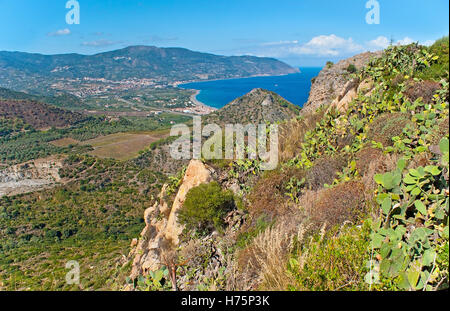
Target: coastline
[[195, 100], [199, 107], [295, 88], [197, 92], [177, 84]]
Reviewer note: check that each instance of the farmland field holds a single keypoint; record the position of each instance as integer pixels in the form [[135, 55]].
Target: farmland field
[[64, 142], [123, 146]]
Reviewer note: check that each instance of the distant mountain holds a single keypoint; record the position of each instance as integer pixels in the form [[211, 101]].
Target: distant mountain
[[141, 62], [38, 115], [256, 107]]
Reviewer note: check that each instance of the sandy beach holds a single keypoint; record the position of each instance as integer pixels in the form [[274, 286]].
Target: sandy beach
[[195, 100], [200, 107]]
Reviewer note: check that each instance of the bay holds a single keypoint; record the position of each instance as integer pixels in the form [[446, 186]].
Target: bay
[[293, 87]]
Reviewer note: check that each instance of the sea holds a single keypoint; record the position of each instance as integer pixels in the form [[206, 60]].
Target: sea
[[293, 87]]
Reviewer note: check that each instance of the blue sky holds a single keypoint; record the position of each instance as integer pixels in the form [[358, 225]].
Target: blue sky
[[300, 32]]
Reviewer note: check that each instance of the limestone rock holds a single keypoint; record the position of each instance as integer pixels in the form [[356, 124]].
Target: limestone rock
[[30, 176], [331, 81], [365, 87], [162, 230], [197, 173], [349, 93]]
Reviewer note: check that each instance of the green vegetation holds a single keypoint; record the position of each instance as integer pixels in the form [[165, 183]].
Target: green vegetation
[[387, 204], [440, 68], [158, 280], [351, 68], [92, 220], [331, 261], [29, 143], [412, 256], [67, 101], [36, 72], [205, 207], [94, 128], [11, 127]]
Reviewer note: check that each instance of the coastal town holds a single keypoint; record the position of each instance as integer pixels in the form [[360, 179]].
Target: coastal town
[[109, 94]]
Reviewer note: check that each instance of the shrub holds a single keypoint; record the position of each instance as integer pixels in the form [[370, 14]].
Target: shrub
[[344, 202], [324, 171], [332, 261], [205, 208], [329, 64], [387, 126], [424, 89], [439, 69], [351, 68], [268, 197]]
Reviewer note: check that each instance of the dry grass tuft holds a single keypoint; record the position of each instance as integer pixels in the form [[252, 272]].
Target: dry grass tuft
[[442, 130], [421, 159], [378, 165], [263, 263], [365, 157]]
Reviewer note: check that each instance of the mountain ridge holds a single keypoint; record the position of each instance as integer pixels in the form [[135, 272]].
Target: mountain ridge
[[160, 65]]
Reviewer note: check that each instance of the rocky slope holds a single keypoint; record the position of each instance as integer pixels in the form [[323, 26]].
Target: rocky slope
[[30, 176], [160, 238], [334, 80], [162, 230]]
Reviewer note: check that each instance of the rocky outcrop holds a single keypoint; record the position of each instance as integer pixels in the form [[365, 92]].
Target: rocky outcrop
[[162, 229], [334, 85], [197, 173], [30, 176], [347, 95]]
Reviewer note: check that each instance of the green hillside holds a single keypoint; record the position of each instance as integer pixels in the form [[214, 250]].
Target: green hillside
[[26, 71]]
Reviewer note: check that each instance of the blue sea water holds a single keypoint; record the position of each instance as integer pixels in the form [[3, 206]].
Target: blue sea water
[[293, 87]]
